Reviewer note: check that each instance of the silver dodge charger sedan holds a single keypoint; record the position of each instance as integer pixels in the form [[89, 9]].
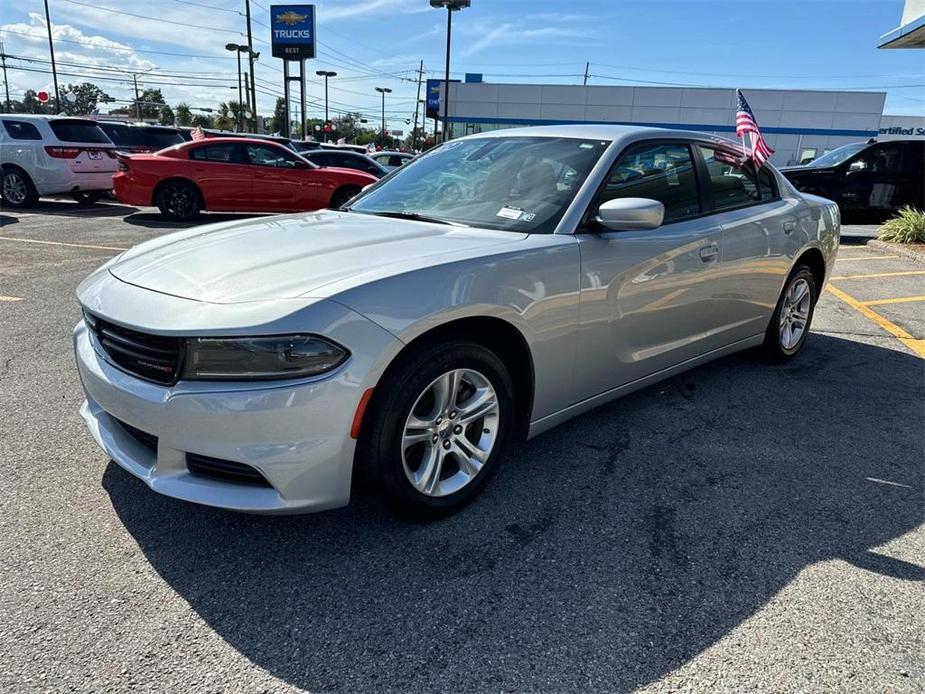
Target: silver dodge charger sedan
[[260, 365]]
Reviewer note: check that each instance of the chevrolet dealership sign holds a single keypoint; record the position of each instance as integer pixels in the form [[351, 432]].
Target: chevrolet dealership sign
[[292, 29]]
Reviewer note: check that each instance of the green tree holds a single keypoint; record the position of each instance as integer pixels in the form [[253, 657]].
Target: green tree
[[167, 116], [31, 104], [202, 121], [184, 115], [148, 104], [86, 97], [279, 115]]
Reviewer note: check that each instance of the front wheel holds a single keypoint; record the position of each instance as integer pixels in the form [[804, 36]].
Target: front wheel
[[86, 198], [434, 436], [179, 200], [342, 196], [793, 316]]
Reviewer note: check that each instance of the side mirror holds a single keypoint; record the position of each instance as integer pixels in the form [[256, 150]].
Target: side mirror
[[366, 187], [303, 165], [857, 166], [630, 214]]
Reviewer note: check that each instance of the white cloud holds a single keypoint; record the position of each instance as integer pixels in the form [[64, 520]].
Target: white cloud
[[509, 34]]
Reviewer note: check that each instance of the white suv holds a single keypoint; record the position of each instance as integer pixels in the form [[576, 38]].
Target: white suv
[[54, 155]]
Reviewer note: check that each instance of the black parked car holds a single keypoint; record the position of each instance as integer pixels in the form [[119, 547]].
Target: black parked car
[[866, 176], [343, 159], [138, 139]]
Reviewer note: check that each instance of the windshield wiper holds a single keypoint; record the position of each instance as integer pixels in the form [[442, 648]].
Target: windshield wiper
[[414, 216]]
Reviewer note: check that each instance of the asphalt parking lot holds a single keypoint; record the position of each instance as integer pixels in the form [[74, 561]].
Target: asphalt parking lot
[[740, 527]]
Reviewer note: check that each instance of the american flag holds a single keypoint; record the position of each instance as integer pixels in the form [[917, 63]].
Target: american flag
[[198, 133], [747, 125]]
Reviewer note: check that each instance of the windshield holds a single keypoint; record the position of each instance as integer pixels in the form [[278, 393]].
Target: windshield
[[837, 156], [161, 139], [522, 184], [78, 131]]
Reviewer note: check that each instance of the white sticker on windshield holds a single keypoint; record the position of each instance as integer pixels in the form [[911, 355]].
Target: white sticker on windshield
[[510, 212], [527, 216]]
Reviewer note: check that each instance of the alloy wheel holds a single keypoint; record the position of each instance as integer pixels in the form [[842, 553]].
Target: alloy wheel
[[180, 200], [450, 432], [14, 188], [794, 314]]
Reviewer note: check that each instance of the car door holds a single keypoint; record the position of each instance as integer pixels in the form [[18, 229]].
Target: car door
[[647, 297], [760, 236], [219, 171], [872, 178], [278, 180]]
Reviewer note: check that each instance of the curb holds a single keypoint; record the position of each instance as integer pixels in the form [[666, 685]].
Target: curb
[[897, 248]]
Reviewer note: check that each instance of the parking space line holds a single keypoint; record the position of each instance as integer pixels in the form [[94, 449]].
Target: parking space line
[[10, 298], [878, 274], [857, 258], [897, 300], [916, 345], [61, 243]]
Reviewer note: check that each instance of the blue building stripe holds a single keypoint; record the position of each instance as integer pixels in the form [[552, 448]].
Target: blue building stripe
[[673, 126]]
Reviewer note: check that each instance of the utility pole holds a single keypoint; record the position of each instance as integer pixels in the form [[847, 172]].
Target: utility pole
[[250, 60], [587, 67], [253, 111], [417, 107], [6, 81], [137, 103], [51, 51]]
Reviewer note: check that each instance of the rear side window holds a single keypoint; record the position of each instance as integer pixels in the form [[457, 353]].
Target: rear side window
[[224, 152], [663, 172], [733, 183], [396, 160], [20, 130], [78, 131], [322, 159]]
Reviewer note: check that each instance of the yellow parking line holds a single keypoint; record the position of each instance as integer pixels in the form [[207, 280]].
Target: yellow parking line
[[897, 300], [855, 258], [61, 243], [10, 298], [878, 274], [916, 345]]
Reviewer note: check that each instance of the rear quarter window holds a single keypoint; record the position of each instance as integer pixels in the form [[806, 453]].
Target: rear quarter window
[[20, 130], [78, 131]]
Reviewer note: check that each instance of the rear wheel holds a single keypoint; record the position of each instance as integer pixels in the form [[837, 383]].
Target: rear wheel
[[17, 189], [87, 197], [436, 431], [179, 200], [793, 316], [342, 196]]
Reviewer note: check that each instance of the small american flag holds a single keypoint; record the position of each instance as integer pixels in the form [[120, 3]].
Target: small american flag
[[198, 133], [747, 125]]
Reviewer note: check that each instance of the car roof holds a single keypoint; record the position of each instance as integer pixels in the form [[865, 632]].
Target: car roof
[[604, 131], [46, 116], [395, 151]]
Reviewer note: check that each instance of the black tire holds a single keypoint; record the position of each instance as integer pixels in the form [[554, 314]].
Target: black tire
[[178, 199], [16, 188], [342, 196], [775, 347], [87, 197], [380, 449]]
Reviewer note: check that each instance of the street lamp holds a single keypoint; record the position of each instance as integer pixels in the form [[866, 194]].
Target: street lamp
[[325, 74], [451, 7], [383, 91], [236, 48]]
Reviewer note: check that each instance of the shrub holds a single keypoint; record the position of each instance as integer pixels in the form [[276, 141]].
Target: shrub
[[906, 227]]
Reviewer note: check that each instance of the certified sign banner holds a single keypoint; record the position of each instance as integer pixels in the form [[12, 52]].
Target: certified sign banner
[[292, 29]]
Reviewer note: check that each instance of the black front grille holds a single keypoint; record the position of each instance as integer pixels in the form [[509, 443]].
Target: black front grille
[[152, 357], [147, 440], [227, 470]]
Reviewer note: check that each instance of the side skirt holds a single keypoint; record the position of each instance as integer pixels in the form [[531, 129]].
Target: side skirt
[[553, 420]]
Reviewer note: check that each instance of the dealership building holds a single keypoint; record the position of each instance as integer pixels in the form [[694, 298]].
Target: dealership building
[[798, 124]]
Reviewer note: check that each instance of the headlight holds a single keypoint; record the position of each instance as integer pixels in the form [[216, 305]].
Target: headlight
[[286, 356]]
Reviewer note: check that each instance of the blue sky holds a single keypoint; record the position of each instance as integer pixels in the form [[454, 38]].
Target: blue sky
[[750, 44]]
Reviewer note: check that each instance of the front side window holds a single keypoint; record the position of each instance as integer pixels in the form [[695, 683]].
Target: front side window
[[20, 130], [662, 172], [224, 152], [520, 184], [879, 159], [270, 156], [732, 182]]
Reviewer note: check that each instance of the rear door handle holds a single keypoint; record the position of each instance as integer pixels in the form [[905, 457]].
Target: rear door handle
[[708, 253], [789, 226]]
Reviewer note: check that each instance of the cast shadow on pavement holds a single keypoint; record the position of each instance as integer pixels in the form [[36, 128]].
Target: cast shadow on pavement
[[605, 554]]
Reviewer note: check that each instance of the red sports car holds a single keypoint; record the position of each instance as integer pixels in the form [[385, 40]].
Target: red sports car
[[232, 174]]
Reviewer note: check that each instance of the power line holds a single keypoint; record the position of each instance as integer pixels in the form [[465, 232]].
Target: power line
[[151, 19]]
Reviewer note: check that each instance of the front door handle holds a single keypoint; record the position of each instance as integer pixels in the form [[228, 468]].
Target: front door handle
[[708, 253]]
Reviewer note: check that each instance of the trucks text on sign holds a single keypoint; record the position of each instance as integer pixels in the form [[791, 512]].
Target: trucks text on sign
[[292, 30]]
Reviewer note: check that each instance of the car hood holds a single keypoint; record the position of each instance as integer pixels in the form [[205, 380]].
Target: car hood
[[295, 255], [789, 171]]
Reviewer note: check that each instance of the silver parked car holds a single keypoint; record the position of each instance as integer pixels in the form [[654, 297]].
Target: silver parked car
[[258, 365]]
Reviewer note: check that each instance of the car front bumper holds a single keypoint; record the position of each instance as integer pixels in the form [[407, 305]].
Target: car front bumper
[[296, 434]]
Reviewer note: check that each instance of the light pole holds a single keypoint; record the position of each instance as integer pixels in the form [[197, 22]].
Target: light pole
[[451, 7], [383, 91], [51, 51], [235, 48], [325, 74]]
